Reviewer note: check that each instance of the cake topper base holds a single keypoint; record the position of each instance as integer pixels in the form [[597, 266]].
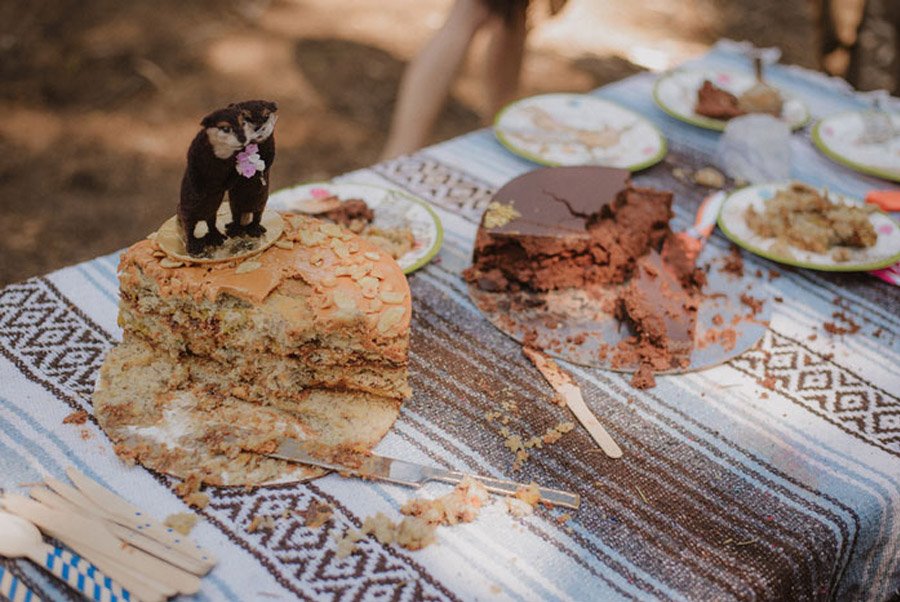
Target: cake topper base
[[169, 239]]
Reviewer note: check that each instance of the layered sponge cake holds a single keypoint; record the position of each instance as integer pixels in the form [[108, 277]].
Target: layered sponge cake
[[307, 339], [321, 308]]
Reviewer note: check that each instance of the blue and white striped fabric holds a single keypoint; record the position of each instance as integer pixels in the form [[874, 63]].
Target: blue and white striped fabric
[[773, 476]]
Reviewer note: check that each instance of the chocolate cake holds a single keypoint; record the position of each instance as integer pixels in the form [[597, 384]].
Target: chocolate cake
[[589, 227], [566, 227], [717, 103]]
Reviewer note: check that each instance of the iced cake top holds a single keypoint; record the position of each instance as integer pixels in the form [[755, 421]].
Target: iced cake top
[[316, 273]]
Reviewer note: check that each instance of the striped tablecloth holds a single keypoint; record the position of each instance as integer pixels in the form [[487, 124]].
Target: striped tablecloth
[[726, 490]]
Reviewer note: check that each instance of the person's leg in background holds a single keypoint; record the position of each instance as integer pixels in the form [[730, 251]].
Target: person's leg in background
[[503, 59], [428, 78]]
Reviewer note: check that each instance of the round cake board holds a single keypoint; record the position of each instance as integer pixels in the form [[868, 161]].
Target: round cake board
[[169, 239], [574, 324], [147, 404]]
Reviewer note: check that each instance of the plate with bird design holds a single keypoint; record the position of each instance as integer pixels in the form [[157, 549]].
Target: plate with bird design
[[579, 129]]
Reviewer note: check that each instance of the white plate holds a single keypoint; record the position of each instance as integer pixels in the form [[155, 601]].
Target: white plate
[[840, 138], [676, 94], [577, 129], [393, 208], [733, 223]]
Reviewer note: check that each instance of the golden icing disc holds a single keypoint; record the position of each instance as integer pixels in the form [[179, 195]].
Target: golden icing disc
[[168, 237]]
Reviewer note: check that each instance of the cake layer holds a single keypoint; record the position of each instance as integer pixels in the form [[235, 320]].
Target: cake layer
[[255, 377], [321, 307], [567, 227], [169, 413], [661, 310]]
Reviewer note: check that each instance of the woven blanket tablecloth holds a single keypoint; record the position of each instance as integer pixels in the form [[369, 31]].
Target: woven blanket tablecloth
[[727, 489]]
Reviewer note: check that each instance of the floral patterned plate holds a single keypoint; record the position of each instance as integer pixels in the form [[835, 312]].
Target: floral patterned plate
[[393, 209], [577, 129]]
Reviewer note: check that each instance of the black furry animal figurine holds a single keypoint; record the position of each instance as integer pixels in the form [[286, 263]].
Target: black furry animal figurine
[[210, 172], [248, 194]]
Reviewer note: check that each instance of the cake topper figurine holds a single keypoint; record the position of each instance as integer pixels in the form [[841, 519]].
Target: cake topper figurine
[[233, 153]]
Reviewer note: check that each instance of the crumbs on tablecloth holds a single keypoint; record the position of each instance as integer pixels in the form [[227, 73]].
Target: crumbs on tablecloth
[[411, 533], [835, 328], [183, 522], [753, 303], [316, 514], [734, 262], [768, 382], [76, 417], [422, 516], [189, 491], [261, 522]]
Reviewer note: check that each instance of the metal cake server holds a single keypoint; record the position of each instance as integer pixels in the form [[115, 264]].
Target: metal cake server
[[413, 475]]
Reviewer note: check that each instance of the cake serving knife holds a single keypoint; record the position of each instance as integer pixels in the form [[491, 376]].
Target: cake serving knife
[[410, 474]]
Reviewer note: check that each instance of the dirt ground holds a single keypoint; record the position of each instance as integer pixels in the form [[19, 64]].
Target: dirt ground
[[101, 98]]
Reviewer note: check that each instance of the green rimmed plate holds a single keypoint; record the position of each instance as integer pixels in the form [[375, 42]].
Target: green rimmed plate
[[733, 223], [839, 137], [393, 208], [578, 129], [675, 93]]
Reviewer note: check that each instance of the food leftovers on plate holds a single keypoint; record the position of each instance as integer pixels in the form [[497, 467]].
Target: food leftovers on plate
[[715, 102], [356, 215], [802, 217]]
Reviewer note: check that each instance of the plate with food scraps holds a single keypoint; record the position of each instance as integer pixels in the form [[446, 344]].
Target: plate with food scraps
[[808, 227], [866, 141], [582, 326], [578, 129], [402, 225], [676, 93]]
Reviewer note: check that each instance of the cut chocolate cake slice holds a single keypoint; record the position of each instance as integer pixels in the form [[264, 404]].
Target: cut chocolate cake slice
[[660, 302]]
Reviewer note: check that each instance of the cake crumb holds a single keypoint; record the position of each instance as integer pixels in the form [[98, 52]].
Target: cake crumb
[[197, 500], [734, 262], [753, 303], [518, 508], [381, 527], [643, 377], [836, 329], [346, 543], [316, 514], [529, 494], [415, 534], [261, 522], [461, 505], [76, 417], [183, 522]]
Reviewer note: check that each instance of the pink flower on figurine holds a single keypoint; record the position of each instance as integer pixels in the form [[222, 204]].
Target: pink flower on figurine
[[249, 161]]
